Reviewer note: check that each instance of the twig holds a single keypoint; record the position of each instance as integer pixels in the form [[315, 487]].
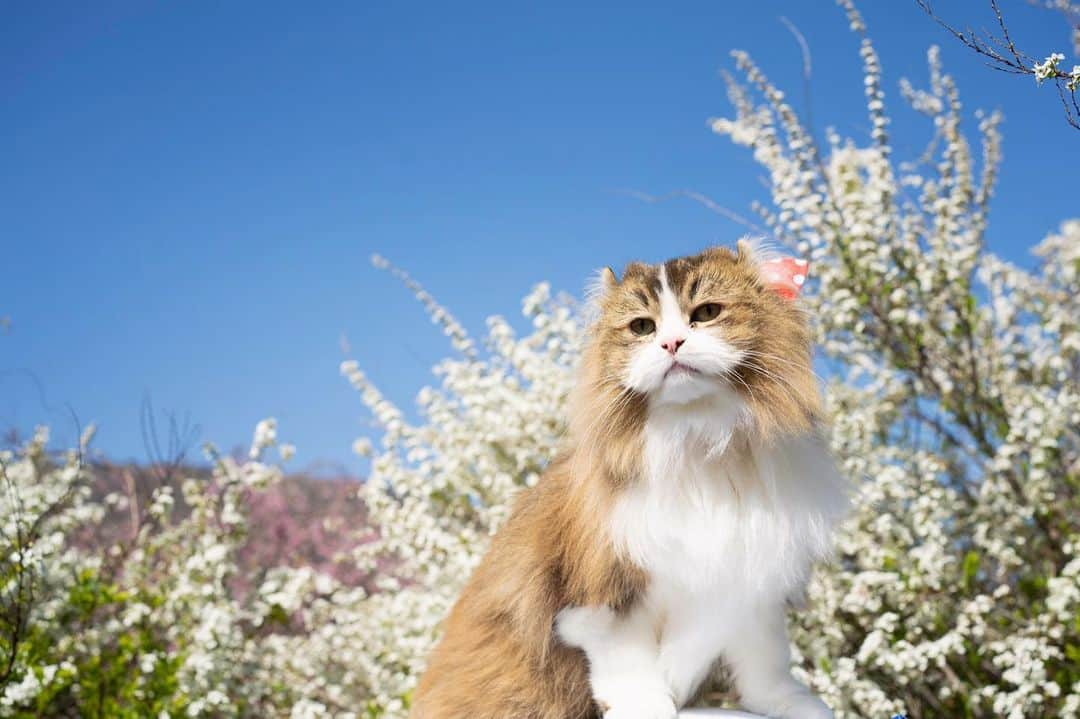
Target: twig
[[807, 66], [701, 199], [1012, 60]]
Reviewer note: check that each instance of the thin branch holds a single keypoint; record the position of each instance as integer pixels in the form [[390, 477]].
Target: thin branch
[[807, 66], [699, 198], [1005, 34], [1010, 59]]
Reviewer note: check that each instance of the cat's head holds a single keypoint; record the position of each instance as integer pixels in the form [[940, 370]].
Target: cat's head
[[712, 324]]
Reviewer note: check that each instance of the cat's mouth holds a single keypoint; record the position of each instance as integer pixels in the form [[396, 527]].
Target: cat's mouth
[[677, 369]]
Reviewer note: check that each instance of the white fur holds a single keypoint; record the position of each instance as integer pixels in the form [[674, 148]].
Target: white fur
[[727, 532], [624, 662]]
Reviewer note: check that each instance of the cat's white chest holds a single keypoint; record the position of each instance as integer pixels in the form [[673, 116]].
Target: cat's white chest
[[716, 520]]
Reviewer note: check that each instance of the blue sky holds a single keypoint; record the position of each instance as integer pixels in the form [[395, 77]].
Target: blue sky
[[190, 192]]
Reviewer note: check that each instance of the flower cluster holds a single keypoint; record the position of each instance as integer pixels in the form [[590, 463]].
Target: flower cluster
[[1048, 68], [150, 625]]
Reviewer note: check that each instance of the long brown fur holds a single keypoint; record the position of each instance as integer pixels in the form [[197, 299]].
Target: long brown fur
[[499, 658]]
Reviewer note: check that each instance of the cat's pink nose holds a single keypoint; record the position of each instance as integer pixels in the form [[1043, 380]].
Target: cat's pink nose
[[672, 344]]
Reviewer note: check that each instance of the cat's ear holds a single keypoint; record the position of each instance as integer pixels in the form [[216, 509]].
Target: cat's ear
[[607, 278], [746, 250], [603, 282]]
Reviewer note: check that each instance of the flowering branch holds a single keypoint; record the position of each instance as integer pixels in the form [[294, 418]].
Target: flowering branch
[[1003, 55]]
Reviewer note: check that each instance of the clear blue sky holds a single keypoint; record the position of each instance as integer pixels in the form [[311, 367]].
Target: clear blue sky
[[190, 191]]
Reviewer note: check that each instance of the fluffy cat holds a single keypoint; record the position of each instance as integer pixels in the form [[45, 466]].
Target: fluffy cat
[[694, 493]]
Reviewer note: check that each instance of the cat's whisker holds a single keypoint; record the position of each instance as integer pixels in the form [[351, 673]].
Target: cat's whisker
[[601, 419], [750, 356], [740, 380], [776, 358], [773, 376], [782, 386]]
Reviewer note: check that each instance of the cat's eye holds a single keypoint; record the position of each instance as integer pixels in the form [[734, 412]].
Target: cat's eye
[[642, 326], [706, 312]]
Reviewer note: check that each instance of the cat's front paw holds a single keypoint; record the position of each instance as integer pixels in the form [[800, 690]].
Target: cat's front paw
[[800, 705], [639, 703]]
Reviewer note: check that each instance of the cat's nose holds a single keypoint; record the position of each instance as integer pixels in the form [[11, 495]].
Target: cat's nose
[[672, 344]]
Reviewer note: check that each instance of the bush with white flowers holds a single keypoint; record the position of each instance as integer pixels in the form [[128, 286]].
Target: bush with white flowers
[[954, 392], [150, 626], [956, 407]]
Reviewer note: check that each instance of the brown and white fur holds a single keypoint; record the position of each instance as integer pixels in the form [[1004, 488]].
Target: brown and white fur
[[692, 497]]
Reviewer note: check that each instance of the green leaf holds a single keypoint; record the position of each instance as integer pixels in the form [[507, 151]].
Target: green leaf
[[970, 568]]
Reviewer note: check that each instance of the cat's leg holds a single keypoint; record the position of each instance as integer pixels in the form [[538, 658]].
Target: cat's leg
[[689, 645], [624, 674], [759, 654]]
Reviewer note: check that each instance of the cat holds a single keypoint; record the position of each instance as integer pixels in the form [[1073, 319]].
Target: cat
[[693, 494]]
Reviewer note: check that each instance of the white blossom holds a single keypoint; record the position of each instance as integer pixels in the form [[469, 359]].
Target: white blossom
[[1048, 68]]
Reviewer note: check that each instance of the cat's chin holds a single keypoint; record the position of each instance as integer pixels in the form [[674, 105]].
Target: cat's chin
[[685, 388]]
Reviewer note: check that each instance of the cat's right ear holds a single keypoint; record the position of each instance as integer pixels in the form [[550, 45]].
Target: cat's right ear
[[603, 282], [608, 280]]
